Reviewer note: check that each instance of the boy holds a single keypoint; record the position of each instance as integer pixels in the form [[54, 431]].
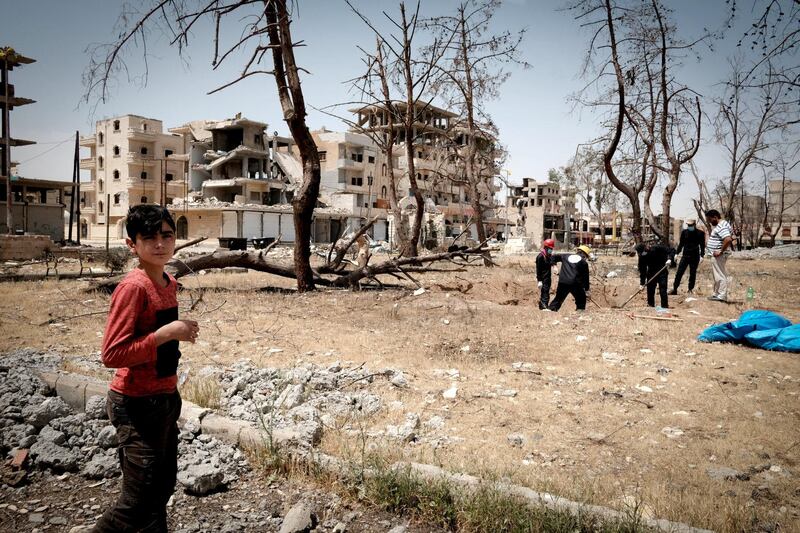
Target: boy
[[141, 342], [544, 263], [573, 278]]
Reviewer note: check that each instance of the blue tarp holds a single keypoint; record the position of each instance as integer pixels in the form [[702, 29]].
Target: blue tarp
[[762, 329]]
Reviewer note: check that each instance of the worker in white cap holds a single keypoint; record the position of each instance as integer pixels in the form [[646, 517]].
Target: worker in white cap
[[573, 278], [691, 248]]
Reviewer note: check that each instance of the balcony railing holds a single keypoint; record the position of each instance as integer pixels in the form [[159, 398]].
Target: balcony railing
[[139, 132], [88, 140], [139, 158], [88, 163]]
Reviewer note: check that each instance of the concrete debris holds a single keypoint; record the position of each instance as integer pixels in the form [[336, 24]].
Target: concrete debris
[[450, 394], [299, 519], [399, 380], [406, 432], [723, 473], [672, 433], [96, 408], [517, 440], [61, 440], [786, 251], [201, 479]]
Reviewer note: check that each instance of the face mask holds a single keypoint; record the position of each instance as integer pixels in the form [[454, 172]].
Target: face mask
[[690, 228]]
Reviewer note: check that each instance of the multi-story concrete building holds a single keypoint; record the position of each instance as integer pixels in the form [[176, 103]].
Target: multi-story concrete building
[[439, 143], [131, 161], [354, 178], [230, 160]]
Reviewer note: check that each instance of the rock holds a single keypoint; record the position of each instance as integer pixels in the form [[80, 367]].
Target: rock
[[107, 438], [515, 439], [612, 357], [450, 394], [36, 518], [399, 380], [299, 519], [406, 432], [434, 422], [102, 465], [340, 527], [58, 521], [49, 434], [508, 393], [727, 474], [672, 433], [51, 455], [292, 396], [96, 408], [398, 529], [201, 479], [40, 415]]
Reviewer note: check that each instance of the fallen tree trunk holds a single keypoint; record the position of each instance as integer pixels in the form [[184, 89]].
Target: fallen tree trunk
[[340, 278]]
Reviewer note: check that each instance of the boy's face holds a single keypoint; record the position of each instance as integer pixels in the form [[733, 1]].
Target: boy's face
[[154, 250]]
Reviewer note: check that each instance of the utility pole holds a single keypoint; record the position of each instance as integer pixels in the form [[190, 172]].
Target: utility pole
[[369, 199], [8, 60], [505, 231], [72, 191]]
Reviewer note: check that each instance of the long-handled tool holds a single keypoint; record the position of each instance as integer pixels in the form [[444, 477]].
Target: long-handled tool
[[643, 286]]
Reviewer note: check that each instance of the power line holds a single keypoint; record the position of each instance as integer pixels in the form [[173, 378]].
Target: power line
[[48, 150]]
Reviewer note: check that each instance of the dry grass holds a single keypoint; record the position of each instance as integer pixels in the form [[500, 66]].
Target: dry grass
[[738, 407], [205, 392]]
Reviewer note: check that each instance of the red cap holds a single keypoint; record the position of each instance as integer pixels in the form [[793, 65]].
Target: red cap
[[549, 243]]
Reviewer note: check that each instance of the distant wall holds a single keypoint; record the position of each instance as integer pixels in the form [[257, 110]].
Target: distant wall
[[22, 247]]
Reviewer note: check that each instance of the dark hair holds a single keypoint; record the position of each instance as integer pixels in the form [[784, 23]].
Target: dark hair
[[713, 213], [146, 219]]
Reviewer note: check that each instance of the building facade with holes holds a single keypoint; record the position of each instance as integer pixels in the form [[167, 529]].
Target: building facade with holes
[[131, 161]]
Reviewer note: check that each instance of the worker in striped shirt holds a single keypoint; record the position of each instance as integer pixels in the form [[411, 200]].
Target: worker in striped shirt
[[718, 247]]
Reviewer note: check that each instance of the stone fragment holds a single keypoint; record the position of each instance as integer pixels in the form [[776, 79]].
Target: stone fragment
[[96, 408], [201, 479], [51, 455], [299, 519]]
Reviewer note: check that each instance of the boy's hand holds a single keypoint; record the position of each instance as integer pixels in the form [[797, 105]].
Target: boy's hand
[[178, 330]]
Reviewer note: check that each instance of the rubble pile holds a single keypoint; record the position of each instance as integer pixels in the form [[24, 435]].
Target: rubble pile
[[786, 251], [302, 399], [58, 439]]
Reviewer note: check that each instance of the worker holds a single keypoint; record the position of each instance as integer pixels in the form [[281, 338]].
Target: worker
[[573, 278], [544, 264], [691, 248], [654, 262], [720, 243]]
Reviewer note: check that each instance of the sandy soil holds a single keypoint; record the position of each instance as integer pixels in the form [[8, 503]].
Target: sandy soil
[[613, 409]]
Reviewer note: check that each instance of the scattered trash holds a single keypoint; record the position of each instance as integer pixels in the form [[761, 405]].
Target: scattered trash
[[672, 433], [612, 357], [646, 350], [419, 291], [450, 394], [612, 274], [690, 299], [644, 388], [581, 338], [446, 322], [275, 350]]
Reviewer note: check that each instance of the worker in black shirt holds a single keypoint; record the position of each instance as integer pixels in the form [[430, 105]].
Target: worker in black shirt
[[573, 278], [654, 261], [693, 246], [544, 265]]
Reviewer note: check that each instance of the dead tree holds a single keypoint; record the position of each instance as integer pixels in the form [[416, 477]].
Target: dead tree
[[472, 72], [264, 26], [413, 75], [585, 173], [746, 125], [601, 17]]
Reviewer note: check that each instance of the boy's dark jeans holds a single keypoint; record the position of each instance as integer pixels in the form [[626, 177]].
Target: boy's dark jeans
[[147, 432]]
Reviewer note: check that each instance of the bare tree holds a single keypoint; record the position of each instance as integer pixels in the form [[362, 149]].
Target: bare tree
[[265, 26], [744, 128], [776, 208], [472, 72], [586, 175], [413, 74]]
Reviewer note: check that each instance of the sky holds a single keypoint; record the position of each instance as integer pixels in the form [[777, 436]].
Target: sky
[[538, 124]]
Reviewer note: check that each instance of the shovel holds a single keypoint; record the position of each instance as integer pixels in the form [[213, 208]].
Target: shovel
[[643, 287]]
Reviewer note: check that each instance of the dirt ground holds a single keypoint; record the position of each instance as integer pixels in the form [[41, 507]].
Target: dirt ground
[[613, 409]]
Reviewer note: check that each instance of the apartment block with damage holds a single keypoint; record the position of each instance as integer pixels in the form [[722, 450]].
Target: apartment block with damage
[[439, 143], [131, 161]]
